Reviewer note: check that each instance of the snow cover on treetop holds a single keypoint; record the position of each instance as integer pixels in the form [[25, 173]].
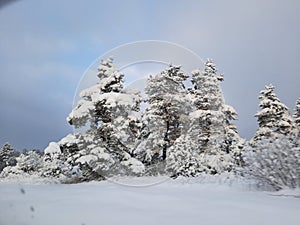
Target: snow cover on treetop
[[274, 117], [182, 132]]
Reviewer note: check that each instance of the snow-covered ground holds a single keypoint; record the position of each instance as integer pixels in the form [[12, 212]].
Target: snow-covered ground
[[183, 201]]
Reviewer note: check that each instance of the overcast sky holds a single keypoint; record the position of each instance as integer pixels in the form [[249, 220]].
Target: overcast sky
[[47, 45]]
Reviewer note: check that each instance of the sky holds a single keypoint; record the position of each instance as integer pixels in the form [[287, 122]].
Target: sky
[[46, 47]]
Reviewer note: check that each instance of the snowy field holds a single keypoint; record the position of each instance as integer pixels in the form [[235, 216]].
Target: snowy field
[[181, 202]]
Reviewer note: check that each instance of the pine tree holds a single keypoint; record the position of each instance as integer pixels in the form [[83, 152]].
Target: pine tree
[[7, 156], [106, 108], [211, 118], [233, 143], [163, 119], [272, 156], [207, 120], [274, 117], [211, 135], [297, 115]]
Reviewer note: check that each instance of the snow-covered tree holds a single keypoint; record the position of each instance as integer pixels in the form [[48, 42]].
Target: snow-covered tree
[[233, 143], [183, 158], [61, 160], [106, 108], [163, 119], [213, 138], [7, 156], [274, 161], [297, 115], [29, 163], [274, 117], [207, 120]]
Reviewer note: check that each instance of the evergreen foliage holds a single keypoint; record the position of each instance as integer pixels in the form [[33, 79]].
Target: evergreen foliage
[[274, 117], [7, 156], [210, 136], [105, 148], [164, 118], [297, 115], [182, 132]]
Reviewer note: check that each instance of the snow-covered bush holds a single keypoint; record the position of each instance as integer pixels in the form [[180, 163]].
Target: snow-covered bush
[[182, 159], [55, 167], [132, 166], [59, 162], [186, 159], [217, 163], [274, 161], [96, 162]]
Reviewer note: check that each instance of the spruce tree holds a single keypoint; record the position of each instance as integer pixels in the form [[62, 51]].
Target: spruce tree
[[211, 135], [274, 117], [163, 119], [207, 120], [7, 156], [211, 118], [106, 109], [297, 115]]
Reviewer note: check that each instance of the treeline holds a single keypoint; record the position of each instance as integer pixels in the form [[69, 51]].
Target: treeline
[[182, 132]]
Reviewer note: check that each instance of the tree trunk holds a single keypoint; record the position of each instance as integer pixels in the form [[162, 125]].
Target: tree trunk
[[167, 141]]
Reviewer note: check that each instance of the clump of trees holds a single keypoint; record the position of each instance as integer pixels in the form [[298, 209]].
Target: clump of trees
[[15, 163], [182, 132], [273, 154]]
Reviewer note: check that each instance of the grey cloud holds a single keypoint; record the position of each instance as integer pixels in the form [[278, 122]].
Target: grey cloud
[[4, 3]]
